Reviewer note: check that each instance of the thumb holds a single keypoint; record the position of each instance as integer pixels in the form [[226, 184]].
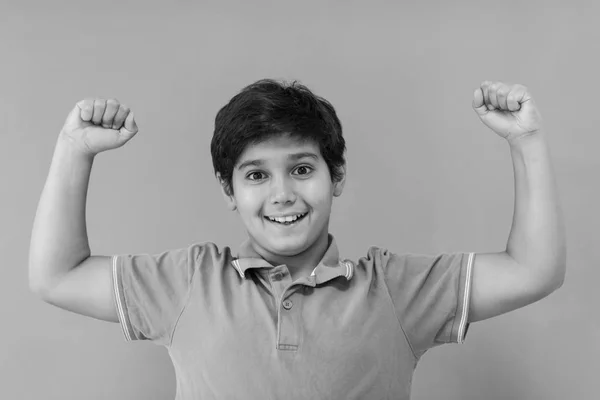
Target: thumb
[[75, 117], [478, 104], [129, 128]]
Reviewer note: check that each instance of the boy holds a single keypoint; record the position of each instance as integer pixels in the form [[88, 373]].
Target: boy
[[287, 317]]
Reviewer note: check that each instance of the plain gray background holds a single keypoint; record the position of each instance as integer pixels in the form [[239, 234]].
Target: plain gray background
[[425, 175]]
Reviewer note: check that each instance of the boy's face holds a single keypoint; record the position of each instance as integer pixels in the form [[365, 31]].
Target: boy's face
[[283, 177]]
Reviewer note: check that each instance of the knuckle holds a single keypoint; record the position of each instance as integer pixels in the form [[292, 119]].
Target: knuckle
[[112, 102], [86, 104]]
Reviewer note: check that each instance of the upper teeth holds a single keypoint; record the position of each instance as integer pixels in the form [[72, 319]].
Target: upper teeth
[[286, 219]]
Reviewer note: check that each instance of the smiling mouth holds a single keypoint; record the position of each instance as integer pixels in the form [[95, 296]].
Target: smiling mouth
[[291, 220]]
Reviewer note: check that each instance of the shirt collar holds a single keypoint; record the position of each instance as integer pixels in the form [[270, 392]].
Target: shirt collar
[[330, 266]]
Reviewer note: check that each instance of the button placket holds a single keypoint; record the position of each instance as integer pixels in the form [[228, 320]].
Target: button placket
[[290, 319]]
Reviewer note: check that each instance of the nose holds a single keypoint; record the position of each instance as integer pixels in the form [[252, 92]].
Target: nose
[[282, 191]]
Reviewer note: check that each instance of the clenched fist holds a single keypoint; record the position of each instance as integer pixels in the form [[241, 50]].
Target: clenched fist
[[509, 110], [96, 125]]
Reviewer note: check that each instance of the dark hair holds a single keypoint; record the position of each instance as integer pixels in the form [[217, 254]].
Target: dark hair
[[270, 108]]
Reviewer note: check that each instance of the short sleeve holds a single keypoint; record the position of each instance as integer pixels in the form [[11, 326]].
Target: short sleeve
[[150, 292], [431, 295]]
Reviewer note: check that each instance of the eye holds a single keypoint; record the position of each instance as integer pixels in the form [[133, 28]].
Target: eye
[[255, 176], [303, 170]]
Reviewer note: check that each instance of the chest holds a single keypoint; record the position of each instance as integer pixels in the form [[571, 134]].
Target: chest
[[327, 338]]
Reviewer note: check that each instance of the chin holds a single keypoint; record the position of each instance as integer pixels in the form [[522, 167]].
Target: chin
[[288, 246]]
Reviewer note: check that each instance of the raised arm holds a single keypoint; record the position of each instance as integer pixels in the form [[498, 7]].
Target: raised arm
[[534, 262], [61, 269]]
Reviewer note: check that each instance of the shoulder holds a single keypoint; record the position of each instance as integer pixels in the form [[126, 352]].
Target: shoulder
[[192, 255], [384, 259], [373, 264], [378, 257], [205, 254]]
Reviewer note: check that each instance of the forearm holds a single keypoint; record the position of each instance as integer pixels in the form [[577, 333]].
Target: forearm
[[59, 239], [537, 237]]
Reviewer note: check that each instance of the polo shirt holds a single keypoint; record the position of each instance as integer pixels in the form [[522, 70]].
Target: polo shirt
[[237, 327]]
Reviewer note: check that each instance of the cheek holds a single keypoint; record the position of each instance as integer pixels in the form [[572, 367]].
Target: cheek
[[317, 193], [248, 201]]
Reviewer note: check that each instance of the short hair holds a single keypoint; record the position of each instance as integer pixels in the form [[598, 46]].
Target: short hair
[[269, 108]]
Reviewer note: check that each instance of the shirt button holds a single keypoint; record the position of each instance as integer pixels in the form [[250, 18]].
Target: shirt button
[[277, 276], [287, 304]]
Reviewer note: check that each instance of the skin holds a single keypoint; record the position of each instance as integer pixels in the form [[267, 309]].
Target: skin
[[277, 177], [62, 270], [533, 265], [64, 273]]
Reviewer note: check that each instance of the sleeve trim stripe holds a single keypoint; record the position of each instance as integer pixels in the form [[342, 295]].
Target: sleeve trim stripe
[[118, 299], [350, 267], [466, 300]]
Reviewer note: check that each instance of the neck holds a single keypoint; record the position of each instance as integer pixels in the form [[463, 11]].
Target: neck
[[300, 264]]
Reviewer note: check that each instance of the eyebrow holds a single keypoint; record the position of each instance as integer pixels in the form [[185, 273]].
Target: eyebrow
[[293, 157]]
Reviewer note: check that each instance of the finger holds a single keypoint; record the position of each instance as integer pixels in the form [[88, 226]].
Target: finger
[[517, 96], [493, 95], [120, 117], [129, 127], [87, 109], [99, 106], [478, 104], [485, 87], [112, 106], [501, 97]]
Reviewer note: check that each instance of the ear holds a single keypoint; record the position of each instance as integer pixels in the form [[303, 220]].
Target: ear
[[338, 187], [229, 198]]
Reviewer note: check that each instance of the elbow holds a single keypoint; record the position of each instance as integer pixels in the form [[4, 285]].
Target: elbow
[[38, 288], [558, 278], [36, 280], [561, 269], [561, 266], [544, 283], [35, 283], [561, 279]]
